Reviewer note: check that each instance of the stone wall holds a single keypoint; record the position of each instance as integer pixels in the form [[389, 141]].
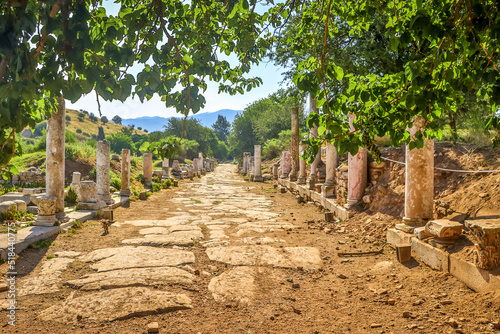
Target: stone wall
[[32, 175], [341, 186]]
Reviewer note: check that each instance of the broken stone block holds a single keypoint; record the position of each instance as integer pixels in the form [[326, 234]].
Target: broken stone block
[[153, 327], [445, 231], [420, 233], [143, 196], [486, 235]]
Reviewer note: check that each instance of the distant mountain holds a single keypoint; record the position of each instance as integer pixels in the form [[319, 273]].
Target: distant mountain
[[156, 123]]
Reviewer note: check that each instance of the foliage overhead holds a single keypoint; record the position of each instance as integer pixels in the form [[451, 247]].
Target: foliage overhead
[[447, 49]]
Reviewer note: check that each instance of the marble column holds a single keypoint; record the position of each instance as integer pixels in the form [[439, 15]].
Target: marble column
[[357, 175], [125, 191], [311, 180], [102, 168], [195, 166], [246, 162], [419, 179], [200, 156], [302, 166], [55, 161], [295, 145], [286, 164], [257, 164], [328, 188], [147, 168], [166, 169], [276, 171]]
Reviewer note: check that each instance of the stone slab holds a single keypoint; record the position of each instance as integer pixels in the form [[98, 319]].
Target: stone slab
[[26, 237], [487, 226], [181, 238], [236, 285], [81, 215], [131, 277], [431, 256], [119, 201], [397, 237], [263, 255], [107, 259], [116, 304], [48, 278], [475, 278]]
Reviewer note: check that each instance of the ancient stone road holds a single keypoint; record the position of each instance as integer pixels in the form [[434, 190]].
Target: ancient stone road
[[217, 213]]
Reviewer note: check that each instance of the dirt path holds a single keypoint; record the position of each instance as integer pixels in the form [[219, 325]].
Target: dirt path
[[221, 255]]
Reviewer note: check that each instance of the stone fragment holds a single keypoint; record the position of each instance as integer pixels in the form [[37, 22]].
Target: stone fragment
[[446, 231], [106, 259], [236, 285], [486, 236], [153, 327], [116, 304], [375, 325], [287, 257], [421, 233], [3, 287], [403, 253], [131, 277]]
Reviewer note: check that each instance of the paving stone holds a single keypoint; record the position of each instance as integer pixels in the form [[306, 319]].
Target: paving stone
[[46, 281], [131, 277], [70, 254], [258, 240], [181, 238], [106, 259], [236, 285], [116, 304], [287, 257]]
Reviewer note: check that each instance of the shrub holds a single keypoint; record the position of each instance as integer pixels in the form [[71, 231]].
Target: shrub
[[119, 141], [71, 197], [69, 137], [167, 184], [139, 177], [70, 152], [134, 162], [12, 214], [86, 134], [78, 130], [155, 187], [80, 119], [68, 117], [116, 183], [93, 173]]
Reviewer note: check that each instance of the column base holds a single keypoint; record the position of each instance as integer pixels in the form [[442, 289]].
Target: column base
[[258, 178], [350, 203], [106, 198], [414, 221], [311, 184], [284, 176], [328, 190], [48, 221], [125, 192], [301, 180]]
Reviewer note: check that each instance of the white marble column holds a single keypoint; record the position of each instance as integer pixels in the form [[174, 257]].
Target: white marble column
[[257, 164], [125, 191], [102, 168], [55, 149], [147, 168]]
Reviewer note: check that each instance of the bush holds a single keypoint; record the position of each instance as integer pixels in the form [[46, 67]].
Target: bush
[[80, 119], [116, 183], [71, 197], [119, 141], [167, 184], [140, 177], [12, 214], [156, 186], [93, 174], [86, 134], [68, 117], [71, 152], [78, 130], [69, 137]]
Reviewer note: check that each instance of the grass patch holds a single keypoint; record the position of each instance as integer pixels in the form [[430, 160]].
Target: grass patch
[[216, 202], [196, 201], [41, 244], [50, 256]]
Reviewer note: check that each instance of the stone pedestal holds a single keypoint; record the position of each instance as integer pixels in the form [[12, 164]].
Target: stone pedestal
[[102, 168], [419, 179], [195, 166], [176, 169], [357, 176], [302, 166], [55, 149], [125, 190], [165, 169], [286, 164], [294, 172], [147, 168], [202, 162], [257, 165], [46, 211], [486, 234], [276, 171], [76, 178], [87, 196]]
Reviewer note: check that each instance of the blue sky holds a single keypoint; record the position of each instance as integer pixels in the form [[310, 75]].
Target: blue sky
[[133, 108]]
